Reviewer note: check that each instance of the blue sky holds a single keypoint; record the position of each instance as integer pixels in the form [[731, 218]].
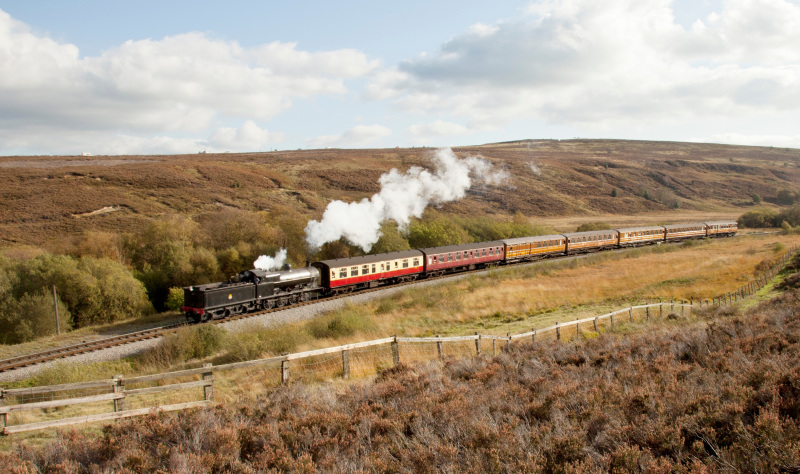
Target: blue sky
[[151, 77]]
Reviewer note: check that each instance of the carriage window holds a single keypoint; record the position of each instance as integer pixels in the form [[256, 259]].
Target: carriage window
[[430, 260], [342, 273], [333, 275], [353, 271], [491, 251], [373, 268], [405, 263], [416, 262], [483, 253], [395, 264], [458, 255], [365, 270]]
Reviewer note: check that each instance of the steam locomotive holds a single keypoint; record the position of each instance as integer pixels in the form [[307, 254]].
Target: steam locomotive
[[255, 290]]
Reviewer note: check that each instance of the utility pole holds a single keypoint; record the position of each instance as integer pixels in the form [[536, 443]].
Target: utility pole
[[55, 305]]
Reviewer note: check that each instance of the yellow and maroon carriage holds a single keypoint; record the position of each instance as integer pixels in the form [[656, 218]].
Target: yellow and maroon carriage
[[534, 248], [678, 232], [646, 235], [591, 241]]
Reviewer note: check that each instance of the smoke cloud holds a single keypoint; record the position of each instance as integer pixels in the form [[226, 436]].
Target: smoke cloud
[[267, 263], [402, 196]]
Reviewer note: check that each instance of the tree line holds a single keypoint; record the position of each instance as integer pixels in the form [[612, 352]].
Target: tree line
[[102, 277]]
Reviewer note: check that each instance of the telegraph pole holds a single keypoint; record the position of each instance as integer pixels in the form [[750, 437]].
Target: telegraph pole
[[55, 305]]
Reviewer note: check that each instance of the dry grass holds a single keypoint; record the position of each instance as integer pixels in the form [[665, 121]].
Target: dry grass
[[717, 393], [517, 299]]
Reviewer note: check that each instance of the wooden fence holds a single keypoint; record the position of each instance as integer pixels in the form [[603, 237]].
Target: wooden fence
[[119, 391]]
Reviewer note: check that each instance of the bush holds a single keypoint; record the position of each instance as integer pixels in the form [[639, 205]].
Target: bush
[[195, 342], [175, 299], [593, 226], [90, 291], [257, 340], [758, 218], [342, 323], [437, 232]]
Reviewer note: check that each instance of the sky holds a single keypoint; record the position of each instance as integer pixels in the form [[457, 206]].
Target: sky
[[155, 77]]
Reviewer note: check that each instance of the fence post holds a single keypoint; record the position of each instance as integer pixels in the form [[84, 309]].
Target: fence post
[[284, 371], [647, 313], [612, 321], [595, 324], [508, 341], [345, 364], [682, 307], [395, 351], [577, 329], [440, 349], [208, 390], [630, 313], [558, 331], [478, 344], [3, 416], [119, 387], [660, 309], [494, 347], [533, 336]]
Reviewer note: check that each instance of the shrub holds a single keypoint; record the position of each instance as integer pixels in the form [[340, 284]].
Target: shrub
[[342, 323], [758, 218], [175, 299], [91, 290], [593, 226], [257, 340], [195, 342]]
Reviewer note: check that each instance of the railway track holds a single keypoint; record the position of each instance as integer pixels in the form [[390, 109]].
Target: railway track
[[66, 351]]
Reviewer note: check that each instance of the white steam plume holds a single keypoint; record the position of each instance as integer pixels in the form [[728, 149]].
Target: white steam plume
[[267, 263], [402, 196]]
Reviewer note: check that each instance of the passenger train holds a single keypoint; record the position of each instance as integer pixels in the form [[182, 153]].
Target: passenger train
[[254, 290]]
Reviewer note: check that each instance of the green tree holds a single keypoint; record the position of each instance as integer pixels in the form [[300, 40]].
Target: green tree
[[437, 232], [593, 226], [391, 240], [759, 218], [175, 299], [756, 198]]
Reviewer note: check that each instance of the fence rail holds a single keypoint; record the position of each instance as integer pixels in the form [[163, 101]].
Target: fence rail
[[118, 390]]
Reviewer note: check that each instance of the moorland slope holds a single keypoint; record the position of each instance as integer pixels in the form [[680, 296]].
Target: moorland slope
[[47, 196]]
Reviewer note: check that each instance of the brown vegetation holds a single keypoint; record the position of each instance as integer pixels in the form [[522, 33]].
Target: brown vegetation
[[45, 197], [717, 395]]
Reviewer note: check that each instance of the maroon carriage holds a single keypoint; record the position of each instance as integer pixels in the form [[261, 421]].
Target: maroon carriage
[[454, 258]]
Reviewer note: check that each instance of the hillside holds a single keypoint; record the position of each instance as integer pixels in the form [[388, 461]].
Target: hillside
[[715, 394], [52, 197]]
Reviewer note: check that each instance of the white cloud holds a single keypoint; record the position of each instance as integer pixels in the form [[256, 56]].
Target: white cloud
[[788, 141], [182, 83], [249, 137], [604, 64], [437, 128], [356, 137]]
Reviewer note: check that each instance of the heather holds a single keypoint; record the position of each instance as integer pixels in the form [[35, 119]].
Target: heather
[[719, 394]]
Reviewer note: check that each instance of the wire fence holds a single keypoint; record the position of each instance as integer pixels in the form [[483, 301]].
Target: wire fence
[[37, 408]]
